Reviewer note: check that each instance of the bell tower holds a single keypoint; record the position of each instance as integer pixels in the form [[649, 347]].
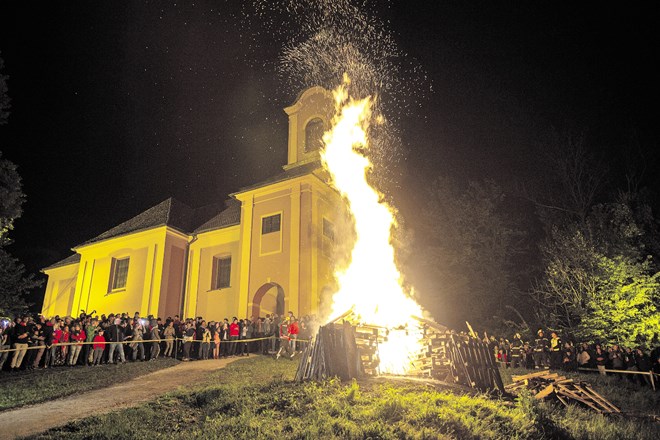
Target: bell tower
[[309, 117]]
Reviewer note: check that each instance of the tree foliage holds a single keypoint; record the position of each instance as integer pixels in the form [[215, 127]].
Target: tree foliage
[[624, 308], [599, 282], [4, 96], [11, 197], [14, 283], [470, 248]]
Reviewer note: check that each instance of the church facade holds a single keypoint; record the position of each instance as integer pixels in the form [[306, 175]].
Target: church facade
[[268, 249]]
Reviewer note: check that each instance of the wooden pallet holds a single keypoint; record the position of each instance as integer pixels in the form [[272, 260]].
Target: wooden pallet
[[444, 355], [545, 385]]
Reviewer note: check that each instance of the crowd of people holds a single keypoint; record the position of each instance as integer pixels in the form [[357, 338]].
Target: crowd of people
[[28, 343], [31, 342], [553, 353]]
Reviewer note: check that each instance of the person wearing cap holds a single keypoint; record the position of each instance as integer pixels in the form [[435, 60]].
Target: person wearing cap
[[516, 351], [541, 346]]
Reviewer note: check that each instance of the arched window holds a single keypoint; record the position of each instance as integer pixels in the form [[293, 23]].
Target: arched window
[[314, 135]]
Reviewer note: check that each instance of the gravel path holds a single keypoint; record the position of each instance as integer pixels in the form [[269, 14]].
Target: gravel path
[[37, 418]]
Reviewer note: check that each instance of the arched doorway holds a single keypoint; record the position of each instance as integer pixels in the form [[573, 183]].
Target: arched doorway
[[268, 299]]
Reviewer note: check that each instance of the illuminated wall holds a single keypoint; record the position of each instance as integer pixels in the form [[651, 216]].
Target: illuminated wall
[[170, 272]]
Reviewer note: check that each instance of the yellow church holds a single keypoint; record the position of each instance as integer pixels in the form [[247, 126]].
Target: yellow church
[[269, 249]]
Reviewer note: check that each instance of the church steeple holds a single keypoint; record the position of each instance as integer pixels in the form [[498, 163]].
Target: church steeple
[[309, 118]]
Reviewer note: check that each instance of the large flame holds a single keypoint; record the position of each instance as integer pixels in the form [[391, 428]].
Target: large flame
[[371, 285]]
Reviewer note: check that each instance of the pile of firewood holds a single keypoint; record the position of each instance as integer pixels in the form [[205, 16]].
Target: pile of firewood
[[544, 384], [350, 351]]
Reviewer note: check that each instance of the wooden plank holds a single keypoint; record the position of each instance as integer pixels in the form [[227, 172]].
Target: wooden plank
[[561, 399], [601, 398], [545, 392], [529, 376]]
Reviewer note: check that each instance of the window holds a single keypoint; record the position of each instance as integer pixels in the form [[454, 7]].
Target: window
[[270, 224], [314, 135], [328, 229], [119, 273], [221, 272]]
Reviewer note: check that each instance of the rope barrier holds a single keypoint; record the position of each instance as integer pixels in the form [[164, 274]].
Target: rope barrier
[[130, 341]]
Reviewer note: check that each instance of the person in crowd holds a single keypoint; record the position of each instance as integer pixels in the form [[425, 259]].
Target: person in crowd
[[38, 340], [20, 343], [616, 359], [630, 363], [517, 351], [541, 346], [155, 340], [91, 332], [601, 359], [5, 343], [216, 340], [169, 333], [77, 338], [224, 338], [136, 343], [205, 341], [266, 328], [644, 364], [555, 351], [284, 340], [569, 358], [293, 330], [98, 347], [188, 337], [234, 333], [275, 331], [305, 335], [116, 337], [584, 357]]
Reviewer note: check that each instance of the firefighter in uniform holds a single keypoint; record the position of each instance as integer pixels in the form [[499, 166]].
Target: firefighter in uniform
[[555, 351], [517, 352], [541, 347]]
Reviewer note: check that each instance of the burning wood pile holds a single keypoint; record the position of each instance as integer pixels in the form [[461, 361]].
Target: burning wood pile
[[544, 384], [352, 351]]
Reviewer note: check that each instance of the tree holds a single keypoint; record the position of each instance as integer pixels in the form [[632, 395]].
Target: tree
[[599, 281], [11, 197], [4, 97], [624, 308], [470, 246], [14, 284]]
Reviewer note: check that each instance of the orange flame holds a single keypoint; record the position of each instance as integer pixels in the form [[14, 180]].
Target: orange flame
[[371, 284]]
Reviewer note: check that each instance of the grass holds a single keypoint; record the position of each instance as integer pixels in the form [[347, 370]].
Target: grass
[[25, 388], [256, 398]]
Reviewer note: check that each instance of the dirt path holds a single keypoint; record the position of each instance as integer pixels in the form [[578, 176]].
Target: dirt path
[[37, 418]]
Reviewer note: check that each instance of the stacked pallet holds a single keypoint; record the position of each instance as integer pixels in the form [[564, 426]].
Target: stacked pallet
[[349, 351], [544, 384]]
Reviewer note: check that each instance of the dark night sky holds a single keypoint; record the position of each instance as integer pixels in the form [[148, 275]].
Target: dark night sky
[[119, 105]]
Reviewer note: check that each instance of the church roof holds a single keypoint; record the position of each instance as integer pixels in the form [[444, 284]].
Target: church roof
[[229, 217], [169, 212], [288, 174], [71, 259]]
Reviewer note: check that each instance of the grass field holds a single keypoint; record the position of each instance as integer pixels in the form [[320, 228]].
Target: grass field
[[255, 398], [27, 387]]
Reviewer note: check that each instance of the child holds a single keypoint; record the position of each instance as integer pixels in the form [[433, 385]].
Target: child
[[99, 346]]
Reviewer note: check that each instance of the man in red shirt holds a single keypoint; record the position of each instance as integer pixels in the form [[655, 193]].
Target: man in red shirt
[[233, 336], [293, 333]]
